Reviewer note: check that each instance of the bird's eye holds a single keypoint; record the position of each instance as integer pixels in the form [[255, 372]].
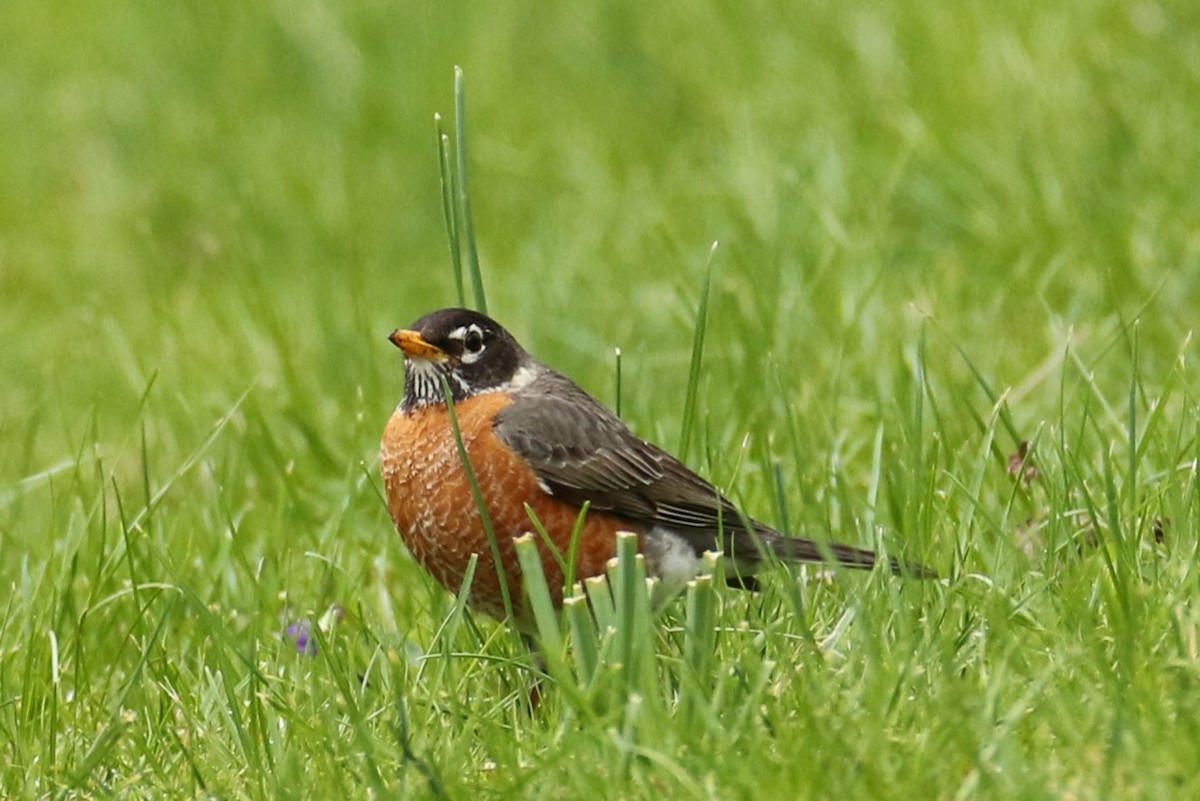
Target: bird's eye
[[473, 340]]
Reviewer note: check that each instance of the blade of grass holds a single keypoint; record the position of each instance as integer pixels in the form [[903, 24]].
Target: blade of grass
[[599, 595], [447, 632], [625, 581], [584, 637], [464, 188], [450, 208], [999, 400], [634, 619], [1131, 482], [573, 549], [699, 643], [617, 398], [689, 405], [781, 503], [356, 718], [116, 727], [480, 503], [546, 618], [404, 739], [559, 558], [538, 593]]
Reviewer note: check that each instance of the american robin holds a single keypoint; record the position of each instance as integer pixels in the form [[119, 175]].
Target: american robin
[[540, 446]]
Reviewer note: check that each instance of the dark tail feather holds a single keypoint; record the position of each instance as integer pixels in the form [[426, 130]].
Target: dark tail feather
[[796, 549]]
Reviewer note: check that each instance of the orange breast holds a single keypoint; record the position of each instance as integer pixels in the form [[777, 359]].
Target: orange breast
[[430, 500]]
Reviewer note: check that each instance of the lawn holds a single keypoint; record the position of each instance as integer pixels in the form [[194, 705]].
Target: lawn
[[950, 315]]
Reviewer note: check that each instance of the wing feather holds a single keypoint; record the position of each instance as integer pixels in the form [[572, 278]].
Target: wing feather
[[582, 452]]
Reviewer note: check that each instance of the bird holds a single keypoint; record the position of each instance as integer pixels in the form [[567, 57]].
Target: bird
[[540, 448]]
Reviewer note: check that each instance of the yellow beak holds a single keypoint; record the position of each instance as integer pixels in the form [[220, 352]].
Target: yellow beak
[[416, 346]]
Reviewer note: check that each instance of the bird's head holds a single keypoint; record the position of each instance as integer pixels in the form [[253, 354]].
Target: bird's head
[[472, 352]]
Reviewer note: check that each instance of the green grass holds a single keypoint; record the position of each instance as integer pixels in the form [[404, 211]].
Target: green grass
[[945, 229]]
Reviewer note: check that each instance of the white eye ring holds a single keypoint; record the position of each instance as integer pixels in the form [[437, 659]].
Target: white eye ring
[[472, 339]]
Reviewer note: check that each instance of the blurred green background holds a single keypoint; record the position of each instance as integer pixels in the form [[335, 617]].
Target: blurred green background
[[179, 177], [211, 214]]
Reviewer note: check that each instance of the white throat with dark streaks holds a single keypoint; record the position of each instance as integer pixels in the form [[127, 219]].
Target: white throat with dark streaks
[[423, 383]]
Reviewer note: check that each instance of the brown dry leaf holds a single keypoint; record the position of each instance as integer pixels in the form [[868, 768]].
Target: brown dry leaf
[[1021, 464]]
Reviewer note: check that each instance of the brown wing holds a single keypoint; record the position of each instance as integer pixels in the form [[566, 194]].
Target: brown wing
[[581, 452]]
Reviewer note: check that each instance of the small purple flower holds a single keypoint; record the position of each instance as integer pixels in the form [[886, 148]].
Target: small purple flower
[[301, 633]]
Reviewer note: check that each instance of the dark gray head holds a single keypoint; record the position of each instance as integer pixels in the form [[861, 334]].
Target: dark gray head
[[470, 350]]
